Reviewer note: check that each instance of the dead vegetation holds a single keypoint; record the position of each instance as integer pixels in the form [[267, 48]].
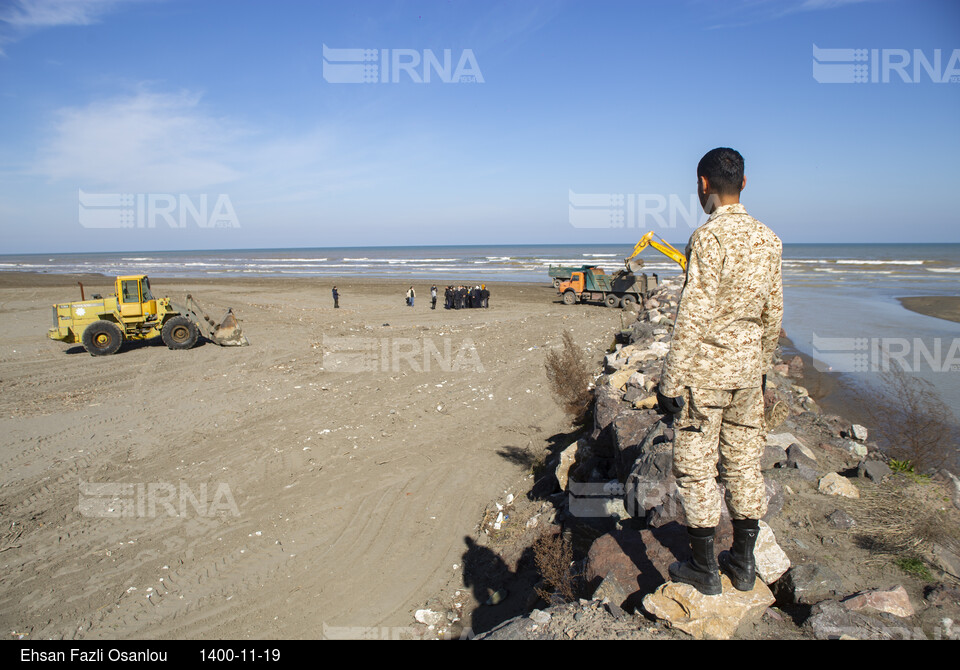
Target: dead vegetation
[[553, 556], [911, 422], [904, 520], [570, 380]]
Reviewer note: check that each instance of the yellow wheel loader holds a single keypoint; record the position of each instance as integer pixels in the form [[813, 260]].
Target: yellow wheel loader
[[133, 313]]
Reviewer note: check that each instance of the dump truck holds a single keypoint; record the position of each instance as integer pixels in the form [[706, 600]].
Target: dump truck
[[617, 290], [561, 273], [102, 325]]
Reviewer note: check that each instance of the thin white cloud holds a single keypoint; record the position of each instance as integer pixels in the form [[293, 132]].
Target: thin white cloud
[[145, 142], [19, 18], [750, 12], [48, 13]]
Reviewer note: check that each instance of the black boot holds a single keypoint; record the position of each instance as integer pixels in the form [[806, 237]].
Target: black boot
[[739, 563], [700, 572]]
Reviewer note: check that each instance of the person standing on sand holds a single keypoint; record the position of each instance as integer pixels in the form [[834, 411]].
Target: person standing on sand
[[727, 328], [433, 297], [336, 298], [411, 294]]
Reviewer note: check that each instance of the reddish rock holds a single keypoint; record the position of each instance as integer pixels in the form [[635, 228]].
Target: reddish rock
[[639, 560], [893, 601]]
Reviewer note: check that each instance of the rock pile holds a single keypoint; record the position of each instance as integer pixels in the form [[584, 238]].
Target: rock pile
[[615, 487]]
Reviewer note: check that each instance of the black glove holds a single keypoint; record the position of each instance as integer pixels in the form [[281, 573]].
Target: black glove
[[669, 405]]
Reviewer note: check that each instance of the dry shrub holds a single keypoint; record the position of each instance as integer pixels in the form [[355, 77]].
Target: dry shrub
[[570, 380], [905, 518], [553, 556], [911, 422]]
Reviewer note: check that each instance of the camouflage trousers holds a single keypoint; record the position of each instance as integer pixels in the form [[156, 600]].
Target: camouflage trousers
[[725, 427]]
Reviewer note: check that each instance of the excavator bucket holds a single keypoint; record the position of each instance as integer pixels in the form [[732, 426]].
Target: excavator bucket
[[227, 333]]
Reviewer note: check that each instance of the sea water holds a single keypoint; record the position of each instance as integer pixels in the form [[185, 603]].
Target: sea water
[[841, 304]]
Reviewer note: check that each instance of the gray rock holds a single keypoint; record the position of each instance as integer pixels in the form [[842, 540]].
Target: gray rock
[[616, 611], [858, 432], [807, 584], [840, 519], [786, 440], [829, 620], [773, 457], [630, 430], [797, 456], [540, 617], [807, 473], [946, 560], [650, 483], [775, 499], [942, 595], [855, 448], [607, 405], [873, 470], [611, 590]]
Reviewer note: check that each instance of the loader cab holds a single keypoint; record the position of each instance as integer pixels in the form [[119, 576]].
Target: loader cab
[[135, 298]]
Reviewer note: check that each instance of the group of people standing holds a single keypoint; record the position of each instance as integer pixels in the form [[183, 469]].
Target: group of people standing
[[464, 297], [455, 297]]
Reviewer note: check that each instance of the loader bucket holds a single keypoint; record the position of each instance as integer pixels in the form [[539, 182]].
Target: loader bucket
[[229, 333]]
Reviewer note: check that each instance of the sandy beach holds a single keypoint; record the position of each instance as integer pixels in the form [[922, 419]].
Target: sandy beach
[[941, 307], [271, 491]]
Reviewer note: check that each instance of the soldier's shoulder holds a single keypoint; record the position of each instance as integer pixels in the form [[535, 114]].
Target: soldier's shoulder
[[768, 233]]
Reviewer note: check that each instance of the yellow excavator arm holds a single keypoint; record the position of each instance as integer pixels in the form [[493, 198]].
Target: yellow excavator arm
[[660, 245]]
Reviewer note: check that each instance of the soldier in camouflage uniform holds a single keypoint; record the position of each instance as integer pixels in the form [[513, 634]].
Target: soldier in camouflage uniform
[[728, 325]]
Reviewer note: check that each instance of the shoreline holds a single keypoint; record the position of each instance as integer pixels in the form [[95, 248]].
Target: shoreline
[[940, 307]]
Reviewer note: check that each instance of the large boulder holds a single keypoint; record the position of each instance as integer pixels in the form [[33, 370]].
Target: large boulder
[[639, 561], [629, 430], [607, 405], [829, 620], [835, 484], [772, 561], [682, 607], [807, 584], [875, 471], [893, 601]]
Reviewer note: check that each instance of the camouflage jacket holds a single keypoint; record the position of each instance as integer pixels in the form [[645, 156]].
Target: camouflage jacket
[[731, 307]]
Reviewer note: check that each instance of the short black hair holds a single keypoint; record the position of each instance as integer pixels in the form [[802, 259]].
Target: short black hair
[[723, 168]]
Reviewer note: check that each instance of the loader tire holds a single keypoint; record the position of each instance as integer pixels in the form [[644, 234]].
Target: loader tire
[[102, 338], [180, 333], [569, 298]]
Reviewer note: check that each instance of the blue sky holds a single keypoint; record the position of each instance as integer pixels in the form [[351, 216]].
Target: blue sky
[[188, 103]]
